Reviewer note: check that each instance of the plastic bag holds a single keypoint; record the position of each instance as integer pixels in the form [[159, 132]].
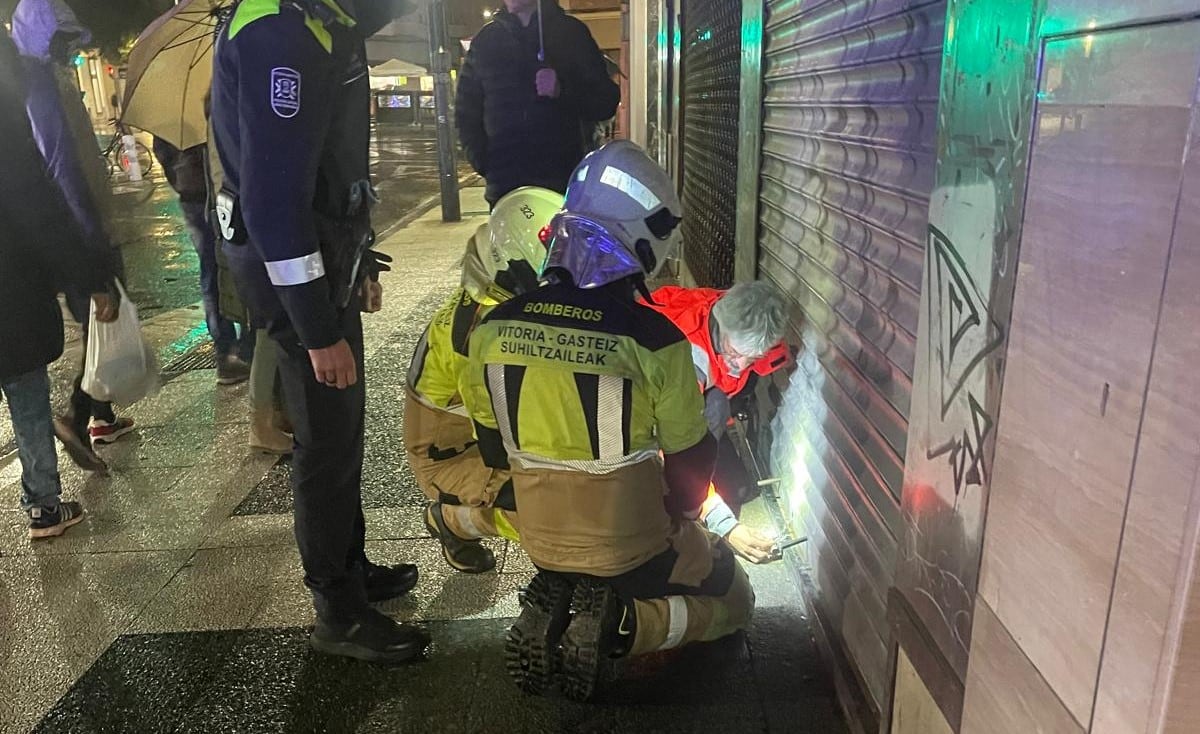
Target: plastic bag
[[119, 367]]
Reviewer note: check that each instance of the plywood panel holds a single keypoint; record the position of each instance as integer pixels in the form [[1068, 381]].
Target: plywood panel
[[1100, 210], [915, 710], [1005, 693], [1160, 526]]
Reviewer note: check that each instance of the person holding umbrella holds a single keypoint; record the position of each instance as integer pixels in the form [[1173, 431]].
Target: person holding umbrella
[[532, 82]]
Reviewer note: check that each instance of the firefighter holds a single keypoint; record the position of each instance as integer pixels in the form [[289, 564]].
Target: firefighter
[[576, 389], [735, 335], [469, 499], [290, 117]]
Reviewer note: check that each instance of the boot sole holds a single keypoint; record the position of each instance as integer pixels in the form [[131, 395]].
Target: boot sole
[[531, 645], [436, 532], [54, 530], [584, 664], [365, 654]]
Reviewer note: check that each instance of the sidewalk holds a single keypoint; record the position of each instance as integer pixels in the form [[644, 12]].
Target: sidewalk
[[177, 605]]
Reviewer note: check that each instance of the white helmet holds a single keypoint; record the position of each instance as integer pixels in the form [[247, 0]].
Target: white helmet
[[505, 256], [619, 219]]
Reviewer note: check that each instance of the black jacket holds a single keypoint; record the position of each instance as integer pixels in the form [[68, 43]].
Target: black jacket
[[512, 137], [41, 246]]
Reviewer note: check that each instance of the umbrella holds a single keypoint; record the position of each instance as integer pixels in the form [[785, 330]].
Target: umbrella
[[170, 72]]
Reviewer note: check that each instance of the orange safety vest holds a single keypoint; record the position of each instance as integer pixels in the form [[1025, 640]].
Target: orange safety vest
[[689, 309]]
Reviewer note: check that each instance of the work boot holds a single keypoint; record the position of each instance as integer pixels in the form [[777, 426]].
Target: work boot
[[602, 628], [388, 582], [231, 370], [468, 556], [265, 437], [371, 636], [46, 523], [77, 448], [531, 646]]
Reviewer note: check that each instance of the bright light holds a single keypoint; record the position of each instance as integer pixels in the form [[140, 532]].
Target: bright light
[[487, 15]]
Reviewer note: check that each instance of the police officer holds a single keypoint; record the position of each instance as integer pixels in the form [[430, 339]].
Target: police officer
[[290, 117], [577, 388]]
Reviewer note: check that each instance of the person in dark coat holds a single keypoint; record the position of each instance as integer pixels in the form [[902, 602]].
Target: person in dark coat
[[41, 254], [186, 172], [522, 121], [47, 34]]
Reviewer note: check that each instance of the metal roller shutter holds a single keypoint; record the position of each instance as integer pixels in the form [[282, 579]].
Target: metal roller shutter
[[849, 128], [711, 78]]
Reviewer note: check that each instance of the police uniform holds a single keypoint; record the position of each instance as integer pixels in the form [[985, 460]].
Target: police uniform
[[584, 388], [290, 104]]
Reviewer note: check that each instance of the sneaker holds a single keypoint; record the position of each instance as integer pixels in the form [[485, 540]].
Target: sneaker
[[102, 431], [77, 448], [372, 637], [468, 556], [602, 628], [389, 582], [44, 523], [231, 370], [531, 651]]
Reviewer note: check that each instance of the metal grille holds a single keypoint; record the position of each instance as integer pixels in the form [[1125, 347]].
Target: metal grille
[[712, 47], [849, 127]]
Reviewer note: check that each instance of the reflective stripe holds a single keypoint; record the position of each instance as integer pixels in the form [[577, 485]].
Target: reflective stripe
[[609, 416], [297, 271], [599, 466], [465, 521], [677, 613], [495, 380], [631, 187], [504, 527]]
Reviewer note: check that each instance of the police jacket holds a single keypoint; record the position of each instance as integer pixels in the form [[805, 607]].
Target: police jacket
[[511, 136], [290, 100], [41, 247]]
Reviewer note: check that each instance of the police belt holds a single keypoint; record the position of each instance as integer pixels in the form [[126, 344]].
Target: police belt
[[343, 242]]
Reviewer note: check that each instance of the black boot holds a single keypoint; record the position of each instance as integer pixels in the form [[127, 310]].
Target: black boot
[[468, 556], [369, 636], [602, 628], [531, 647], [388, 582]]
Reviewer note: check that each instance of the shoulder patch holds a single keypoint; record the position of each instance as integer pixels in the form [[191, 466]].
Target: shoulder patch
[[285, 91]]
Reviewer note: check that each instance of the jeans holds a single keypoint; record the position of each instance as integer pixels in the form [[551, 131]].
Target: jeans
[[222, 331], [28, 399]]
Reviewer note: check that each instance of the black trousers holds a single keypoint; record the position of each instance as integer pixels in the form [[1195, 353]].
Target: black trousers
[[327, 472]]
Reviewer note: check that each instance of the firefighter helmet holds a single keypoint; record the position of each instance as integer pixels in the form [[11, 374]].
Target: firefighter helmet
[[505, 256], [619, 219]]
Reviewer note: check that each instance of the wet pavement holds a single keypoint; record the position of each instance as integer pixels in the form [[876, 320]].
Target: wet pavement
[[177, 605]]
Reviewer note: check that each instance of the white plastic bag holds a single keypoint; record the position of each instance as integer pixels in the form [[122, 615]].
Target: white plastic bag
[[120, 366]]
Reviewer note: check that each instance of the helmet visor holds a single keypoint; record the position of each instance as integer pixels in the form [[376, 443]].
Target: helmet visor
[[587, 250]]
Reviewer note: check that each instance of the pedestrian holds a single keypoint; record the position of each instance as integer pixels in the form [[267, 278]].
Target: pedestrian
[[41, 253], [529, 89], [468, 499], [578, 390], [47, 35], [185, 171], [290, 120]]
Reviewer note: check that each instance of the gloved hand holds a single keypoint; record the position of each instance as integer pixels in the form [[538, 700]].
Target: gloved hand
[[375, 262], [752, 545]]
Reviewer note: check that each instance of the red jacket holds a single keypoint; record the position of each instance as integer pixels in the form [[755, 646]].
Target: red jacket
[[689, 309]]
